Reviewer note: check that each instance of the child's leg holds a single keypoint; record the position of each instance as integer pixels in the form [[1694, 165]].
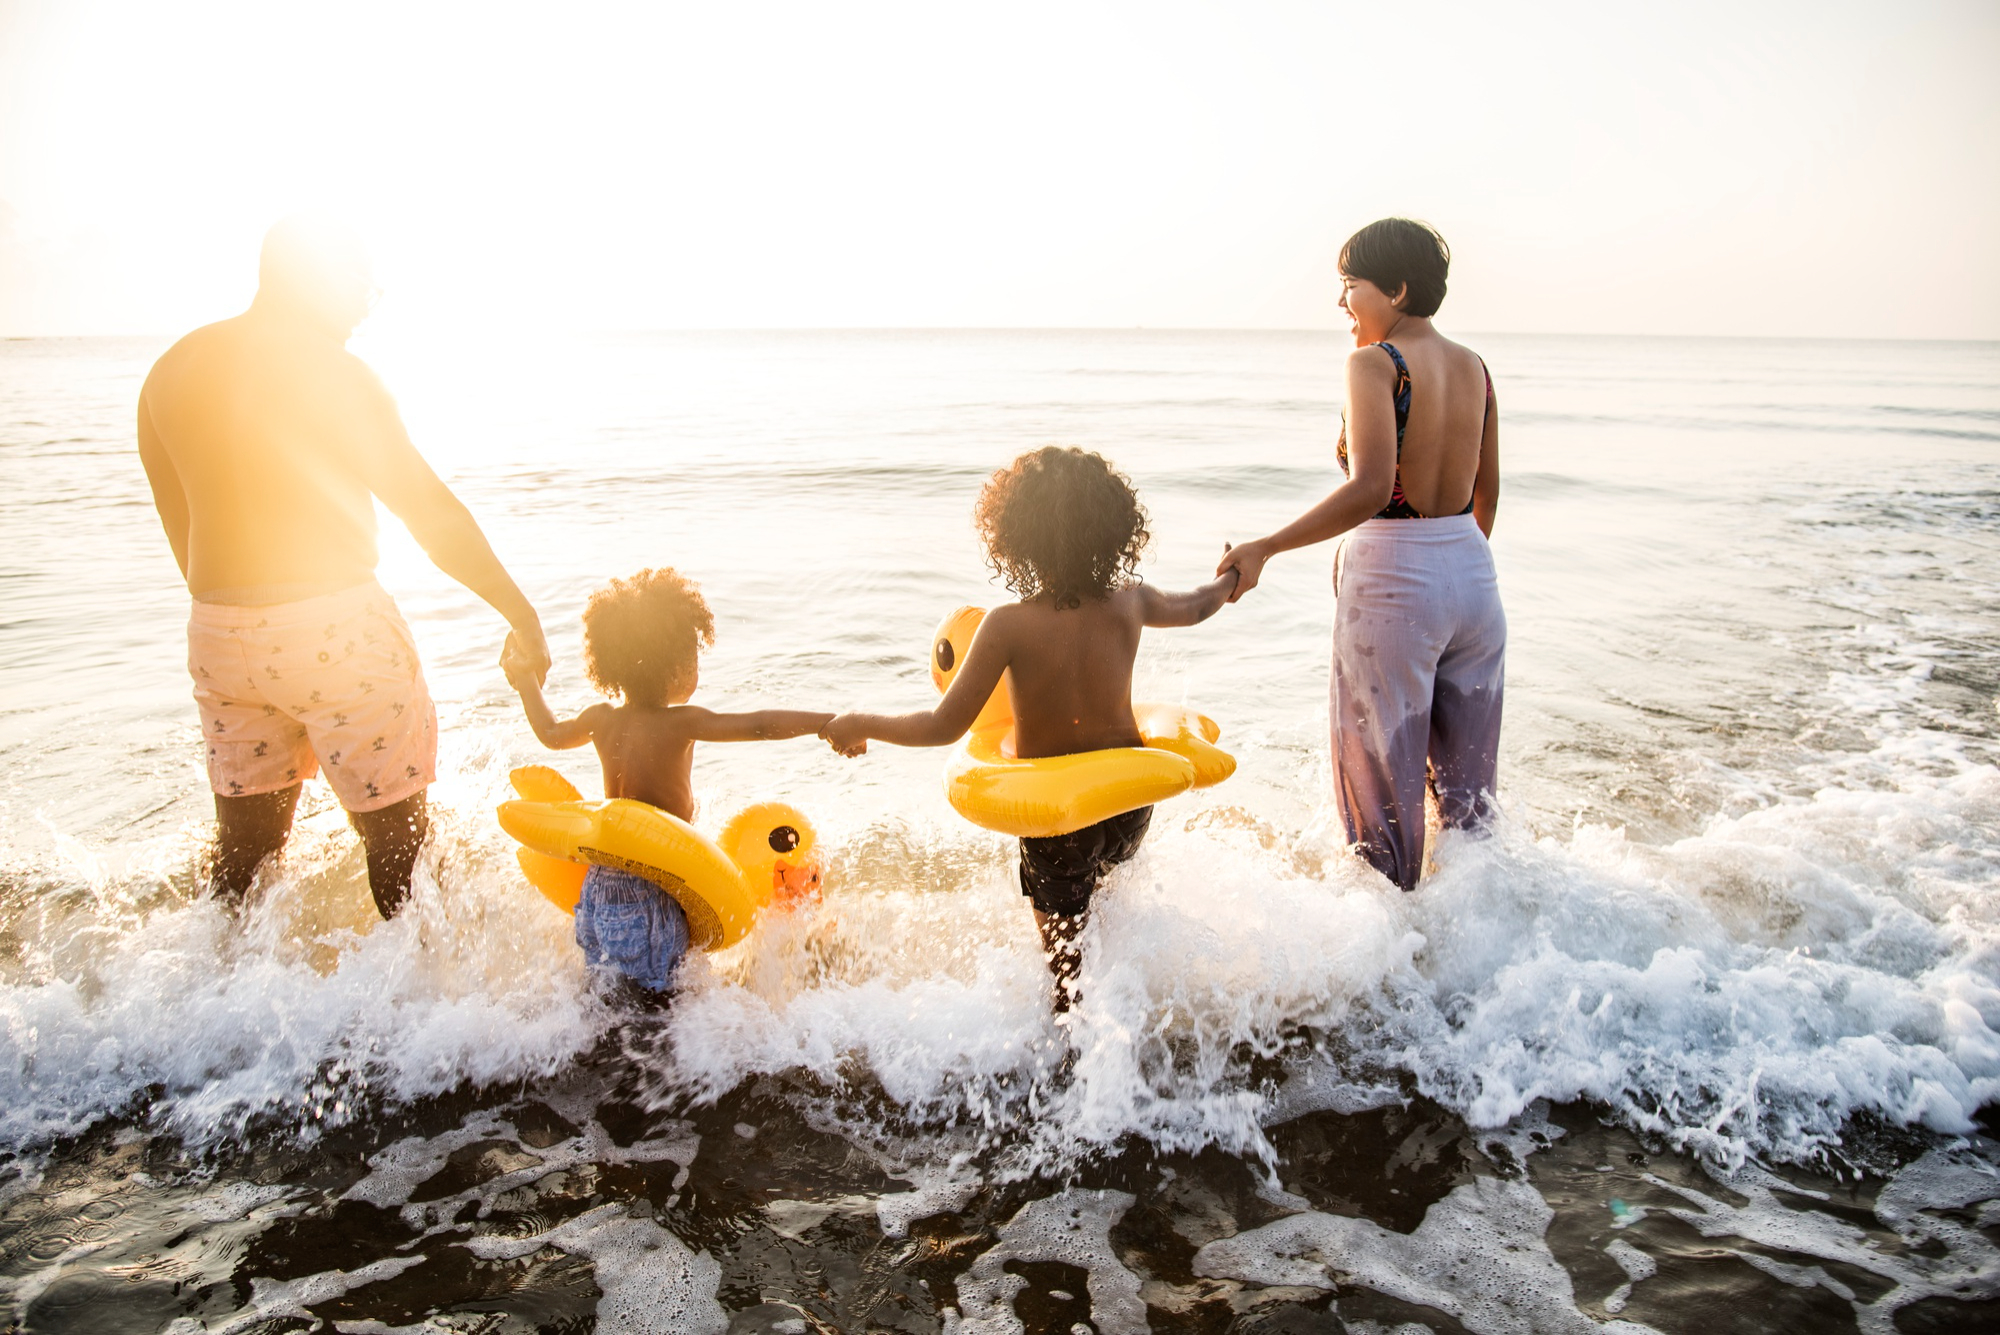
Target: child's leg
[[631, 927], [1060, 873], [1060, 932]]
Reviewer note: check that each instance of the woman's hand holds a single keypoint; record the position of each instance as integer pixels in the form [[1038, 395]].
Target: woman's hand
[[1247, 560], [846, 734]]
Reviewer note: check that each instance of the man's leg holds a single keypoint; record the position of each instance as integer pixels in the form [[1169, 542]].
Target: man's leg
[[247, 831], [392, 836]]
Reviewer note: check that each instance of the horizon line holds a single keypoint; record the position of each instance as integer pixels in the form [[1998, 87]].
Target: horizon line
[[633, 331]]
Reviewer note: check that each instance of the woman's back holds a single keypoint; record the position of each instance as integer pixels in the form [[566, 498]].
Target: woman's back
[[1438, 459]]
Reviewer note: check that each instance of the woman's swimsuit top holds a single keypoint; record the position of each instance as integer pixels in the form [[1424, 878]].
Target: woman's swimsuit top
[[1398, 508]]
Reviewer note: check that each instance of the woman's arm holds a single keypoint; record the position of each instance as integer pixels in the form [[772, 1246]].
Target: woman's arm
[[1371, 453], [978, 677], [759, 725], [1187, 609], [1486, 483]]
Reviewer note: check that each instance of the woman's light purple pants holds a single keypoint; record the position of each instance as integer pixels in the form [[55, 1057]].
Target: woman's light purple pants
[[1419, 656]]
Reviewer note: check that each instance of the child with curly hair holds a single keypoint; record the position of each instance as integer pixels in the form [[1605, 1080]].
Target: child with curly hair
[[1064, 530], [642, 637]]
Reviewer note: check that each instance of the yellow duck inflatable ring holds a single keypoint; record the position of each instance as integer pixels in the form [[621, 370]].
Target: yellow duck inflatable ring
[[990, 787], [766, 852]]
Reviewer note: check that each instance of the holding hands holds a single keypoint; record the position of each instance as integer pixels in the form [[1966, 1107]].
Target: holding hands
[[847, 734], [1247, 560], [524, 667]]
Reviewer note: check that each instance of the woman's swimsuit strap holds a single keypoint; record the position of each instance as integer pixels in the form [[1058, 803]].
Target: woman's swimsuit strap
[[1399, 507]]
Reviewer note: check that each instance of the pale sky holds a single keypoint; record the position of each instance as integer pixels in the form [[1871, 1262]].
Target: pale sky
[[1824, 168]]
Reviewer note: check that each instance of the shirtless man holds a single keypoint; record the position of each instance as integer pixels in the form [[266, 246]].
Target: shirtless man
[[266, 443]]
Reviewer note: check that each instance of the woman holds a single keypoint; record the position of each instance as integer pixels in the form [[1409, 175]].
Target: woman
[[1418, 635]]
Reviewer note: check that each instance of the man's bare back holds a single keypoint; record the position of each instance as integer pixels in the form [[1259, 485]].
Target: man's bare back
[[278, 439]]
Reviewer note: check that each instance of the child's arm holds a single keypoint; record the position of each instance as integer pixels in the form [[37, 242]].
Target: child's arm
[[761, 725], [1186, 609], [978, 677], [552, 732]]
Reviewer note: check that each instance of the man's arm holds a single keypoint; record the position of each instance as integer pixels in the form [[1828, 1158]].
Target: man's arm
[[1163, 609], [439, 521], [169, 497], [761, 725], [978, 677]]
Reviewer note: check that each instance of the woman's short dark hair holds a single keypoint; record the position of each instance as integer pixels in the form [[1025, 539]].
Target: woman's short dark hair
[[1063, 523], [1396, 251], [642, 634]]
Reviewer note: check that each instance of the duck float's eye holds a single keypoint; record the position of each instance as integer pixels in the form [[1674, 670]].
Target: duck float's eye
[[783, 839], [945, 655]]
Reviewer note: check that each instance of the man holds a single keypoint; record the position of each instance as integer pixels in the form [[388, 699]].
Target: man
[[266, 443]]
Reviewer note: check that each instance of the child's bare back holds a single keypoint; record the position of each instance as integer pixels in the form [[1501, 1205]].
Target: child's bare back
[[1064, 530], [647, 751], [1069, 669]]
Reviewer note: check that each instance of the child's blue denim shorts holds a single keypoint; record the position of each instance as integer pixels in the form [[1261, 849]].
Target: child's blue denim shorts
[[630, 926]]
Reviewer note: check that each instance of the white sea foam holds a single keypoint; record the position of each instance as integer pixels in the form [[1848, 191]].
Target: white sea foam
[[1742, 991], [1814, 952], [1072, 1227], [652, 1283], [1942, 1258], [272, 1299], [303, 1011], [1478, 1256]]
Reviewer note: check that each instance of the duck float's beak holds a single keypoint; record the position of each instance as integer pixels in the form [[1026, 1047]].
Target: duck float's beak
[[794, 885]]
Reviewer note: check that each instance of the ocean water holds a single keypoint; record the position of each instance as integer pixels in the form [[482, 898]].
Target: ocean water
[[1705, 1036]]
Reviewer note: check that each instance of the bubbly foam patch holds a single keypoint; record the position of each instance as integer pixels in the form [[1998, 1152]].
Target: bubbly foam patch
[[943, 1189], [1478, 1256], [271, 1299], [652, 1283], [1073, 1228], [1636, 1265], [396, 1171], [1944, 1259]]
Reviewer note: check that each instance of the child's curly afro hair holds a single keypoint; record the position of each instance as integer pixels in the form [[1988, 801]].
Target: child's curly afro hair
[[642, 635], [1061, 523]]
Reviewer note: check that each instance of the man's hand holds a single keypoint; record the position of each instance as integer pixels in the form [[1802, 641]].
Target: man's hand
[[523, 672], [527, 648], [1247, 560], [847, 735]]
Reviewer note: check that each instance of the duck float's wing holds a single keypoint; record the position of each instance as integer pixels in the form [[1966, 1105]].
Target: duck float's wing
[[539, 783], [561, 881], [1187, 734]]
